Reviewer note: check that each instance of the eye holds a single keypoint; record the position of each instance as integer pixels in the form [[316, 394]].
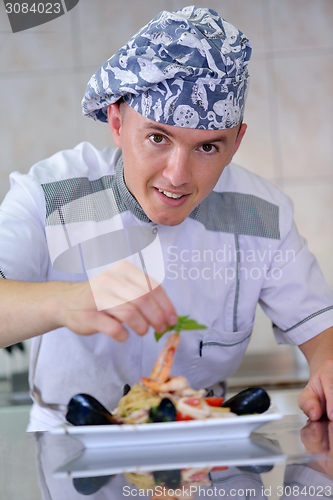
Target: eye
[[156, 138], [208, 148]]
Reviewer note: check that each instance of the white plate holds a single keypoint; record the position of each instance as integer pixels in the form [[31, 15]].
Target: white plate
[[94, 462], [233, 427], [108, 461]]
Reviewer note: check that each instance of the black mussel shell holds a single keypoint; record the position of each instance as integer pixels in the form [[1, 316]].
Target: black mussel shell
[[251, 400], [126, 389], [164, 412], [169, 478], [84, 409], [90, 485], [258, 469]]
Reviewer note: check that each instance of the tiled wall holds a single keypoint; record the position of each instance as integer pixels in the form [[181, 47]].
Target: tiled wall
[[44, 71]]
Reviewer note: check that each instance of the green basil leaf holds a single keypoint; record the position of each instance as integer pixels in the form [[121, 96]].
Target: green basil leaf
[[183, 324], [159, 335], [192, 325]]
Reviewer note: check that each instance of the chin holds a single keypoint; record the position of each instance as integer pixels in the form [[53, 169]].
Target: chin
[[167, 221]]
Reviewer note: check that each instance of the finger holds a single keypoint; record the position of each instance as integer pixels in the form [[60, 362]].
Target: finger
[[314, 437], [125, 292], [163, 305], [166, 305], [141, 280], [330, 438], [327, 385], [118, 286], [112, 327], [131, 316], [151, 310], [309, 402], [135, 306], [90, 322]]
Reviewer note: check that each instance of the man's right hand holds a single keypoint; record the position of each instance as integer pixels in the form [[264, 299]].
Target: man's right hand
[[30, 309], [122, 295]]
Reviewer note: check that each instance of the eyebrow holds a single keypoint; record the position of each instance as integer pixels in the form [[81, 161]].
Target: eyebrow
[[164, 131], [159, 128]]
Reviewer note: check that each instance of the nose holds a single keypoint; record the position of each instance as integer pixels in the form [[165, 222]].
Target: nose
[[178, 168]]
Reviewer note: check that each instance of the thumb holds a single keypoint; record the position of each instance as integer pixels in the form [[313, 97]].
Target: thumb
[[309, 402]]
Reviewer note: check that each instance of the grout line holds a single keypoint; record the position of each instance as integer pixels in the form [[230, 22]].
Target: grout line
[[293, 53], [273, 98], [311, 181], [75, 28], [40, 73], [77, 57]]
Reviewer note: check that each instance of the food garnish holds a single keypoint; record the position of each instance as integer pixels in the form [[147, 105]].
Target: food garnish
[[183, 323]]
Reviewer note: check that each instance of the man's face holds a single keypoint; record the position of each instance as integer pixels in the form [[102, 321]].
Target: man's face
[[168, 169]]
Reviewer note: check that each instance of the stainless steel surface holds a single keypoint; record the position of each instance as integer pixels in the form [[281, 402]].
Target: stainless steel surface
[[298, 464]]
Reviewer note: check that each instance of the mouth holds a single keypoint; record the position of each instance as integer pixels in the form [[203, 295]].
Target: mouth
[[175, 196], [170, 198]]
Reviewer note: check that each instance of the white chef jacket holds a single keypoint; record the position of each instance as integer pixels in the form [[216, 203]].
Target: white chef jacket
[[64, 221]]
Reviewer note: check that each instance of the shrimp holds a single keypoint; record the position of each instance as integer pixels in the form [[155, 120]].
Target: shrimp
[[159, 378], [164, 361], [174, 384]]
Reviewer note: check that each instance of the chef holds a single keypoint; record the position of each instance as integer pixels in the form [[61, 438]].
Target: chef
[[99, 249]]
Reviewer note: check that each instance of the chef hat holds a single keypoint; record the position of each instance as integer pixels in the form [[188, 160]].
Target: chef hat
[[186, 68]]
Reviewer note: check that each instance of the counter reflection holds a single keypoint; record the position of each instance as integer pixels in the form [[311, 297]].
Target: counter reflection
[[67, 471]]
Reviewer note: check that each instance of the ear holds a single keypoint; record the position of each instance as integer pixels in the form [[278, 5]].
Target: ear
[[115, 123]]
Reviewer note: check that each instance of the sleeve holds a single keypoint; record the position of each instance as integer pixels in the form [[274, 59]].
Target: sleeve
[[295, 295], [23, 246]]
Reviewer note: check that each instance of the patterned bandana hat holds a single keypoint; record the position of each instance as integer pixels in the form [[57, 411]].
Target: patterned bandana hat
[[186, 68]]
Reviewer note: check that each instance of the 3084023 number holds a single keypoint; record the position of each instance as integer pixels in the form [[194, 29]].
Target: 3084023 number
[[35, 8], [304, 491]]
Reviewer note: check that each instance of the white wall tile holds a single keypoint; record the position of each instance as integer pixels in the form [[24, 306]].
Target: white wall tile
[[107, 28], [89, 130], [45, 47], [38, 119], [305, 112], [256, 152], [4, 21], [300, 24], [313, 202], [99, 134]]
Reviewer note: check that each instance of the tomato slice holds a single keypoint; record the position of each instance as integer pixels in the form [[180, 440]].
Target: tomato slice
[[198, 476], [219, 468], [214, 401], [193, 402], [182, 416]]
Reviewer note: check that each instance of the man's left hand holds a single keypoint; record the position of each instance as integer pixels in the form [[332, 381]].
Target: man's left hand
[[316, 399]]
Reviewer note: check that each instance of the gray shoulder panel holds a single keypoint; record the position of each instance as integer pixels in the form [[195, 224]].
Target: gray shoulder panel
[[79, 199], [238, 213]]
